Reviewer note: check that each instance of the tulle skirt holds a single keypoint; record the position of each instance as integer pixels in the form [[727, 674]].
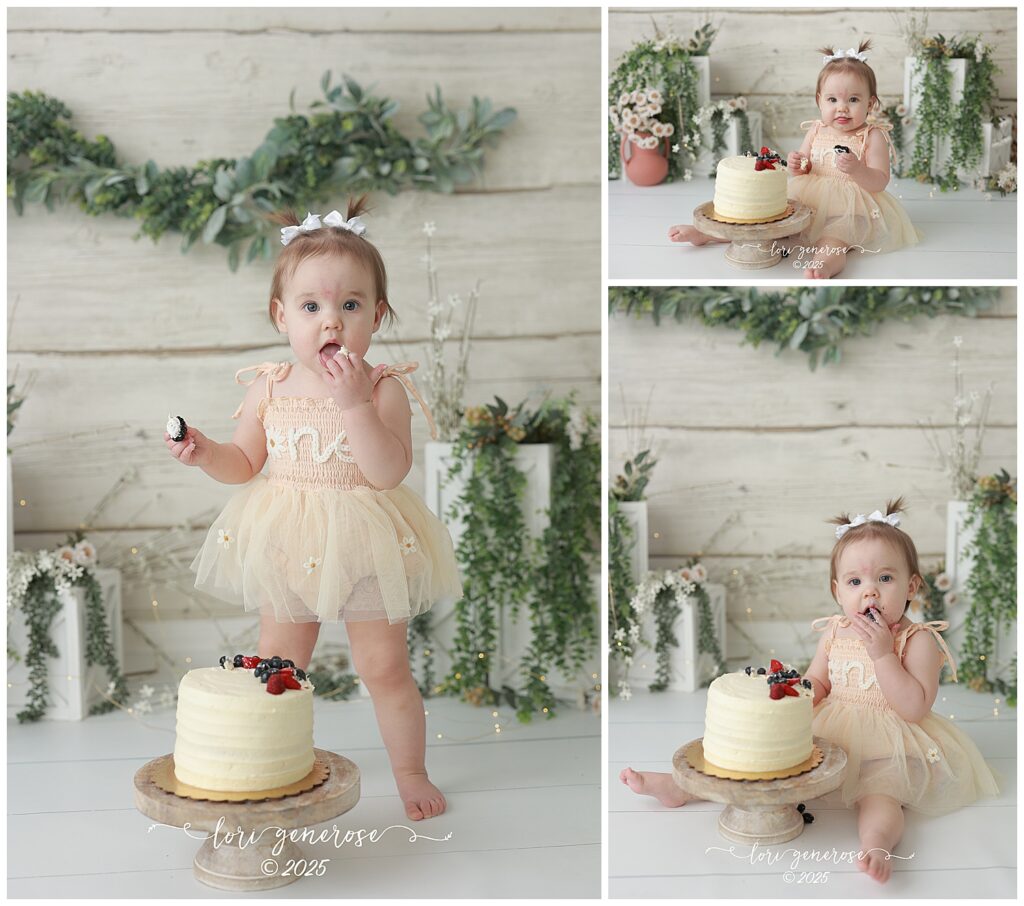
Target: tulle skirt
[[327, 554], [844, 211], [932, 767]]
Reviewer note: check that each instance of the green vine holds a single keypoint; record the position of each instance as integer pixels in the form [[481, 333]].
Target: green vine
[[936, 116], [350, 145], [815, 320], [992, 585], [719, 124], [504, 571], [620, 583], [707, 638], [666, 612], [663, 62], [40, 606]]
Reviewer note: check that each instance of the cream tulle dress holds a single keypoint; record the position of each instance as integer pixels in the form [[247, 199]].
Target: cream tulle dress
[[931, 766], [313, 539], [864, 221]]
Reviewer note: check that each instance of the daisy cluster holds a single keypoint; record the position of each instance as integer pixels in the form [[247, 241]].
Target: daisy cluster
[[635, 116], [63, 565], [727, 106]]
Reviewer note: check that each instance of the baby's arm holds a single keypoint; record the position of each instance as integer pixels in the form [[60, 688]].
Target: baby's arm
[[911, 687], [817, 673], [796, 158], [380, 435], [871, 172]]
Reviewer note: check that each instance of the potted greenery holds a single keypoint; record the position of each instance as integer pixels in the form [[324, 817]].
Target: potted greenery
[[628, 492]]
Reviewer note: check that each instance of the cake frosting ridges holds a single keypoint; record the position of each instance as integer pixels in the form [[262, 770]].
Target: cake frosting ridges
[[746, 729], [232, 736], [743, 193]]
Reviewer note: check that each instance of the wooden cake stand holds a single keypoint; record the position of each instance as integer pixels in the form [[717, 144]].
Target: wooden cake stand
[[762, 811], [229, 865], [751, 246]]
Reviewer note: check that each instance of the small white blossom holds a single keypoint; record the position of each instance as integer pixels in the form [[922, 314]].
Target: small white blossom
[[951, 598], [311, 564], [943, 582], [700, 574], [675, 148], [933, 755], [111, 687], [84, 553], [143, 706], [958, 341], [687, 175], [408, 545], [225, 537], [147, 691], [430, 228], [620, 635]]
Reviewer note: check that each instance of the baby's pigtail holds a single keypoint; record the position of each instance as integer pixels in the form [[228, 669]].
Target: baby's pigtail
[[895, 506]]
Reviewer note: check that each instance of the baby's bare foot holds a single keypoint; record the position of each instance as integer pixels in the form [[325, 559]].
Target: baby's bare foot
[[831, 265], [684, 232], [659, 785], [875, 861], [421, 798]]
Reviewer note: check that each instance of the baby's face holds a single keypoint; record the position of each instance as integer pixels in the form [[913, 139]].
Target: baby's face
[[873, 573], [329, 299], [844, 101]]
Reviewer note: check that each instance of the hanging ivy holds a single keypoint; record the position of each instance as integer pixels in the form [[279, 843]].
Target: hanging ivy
[[621, 617], [663, 62], [504, 572], [992, 585], [350, 145], [815, 320]]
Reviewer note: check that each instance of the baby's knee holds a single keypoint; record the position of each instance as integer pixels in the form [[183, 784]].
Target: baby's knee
[[380, 670]]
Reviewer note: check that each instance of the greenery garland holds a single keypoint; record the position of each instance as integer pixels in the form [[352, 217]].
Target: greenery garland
[[814, 320], [622, 636], [663, 62], [35, 582], [719, 124], [992, 584], [503, 569], [937, 118], [351, 146], [894, 114]]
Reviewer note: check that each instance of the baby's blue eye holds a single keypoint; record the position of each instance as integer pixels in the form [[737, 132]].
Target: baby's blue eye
[[351, 305], [885, 578], [854, 582], [306, 307]]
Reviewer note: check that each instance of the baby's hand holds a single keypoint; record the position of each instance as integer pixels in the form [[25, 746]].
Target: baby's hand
[[796, 162], [348, 382], [876, 636], [196, 449], [849, 163]]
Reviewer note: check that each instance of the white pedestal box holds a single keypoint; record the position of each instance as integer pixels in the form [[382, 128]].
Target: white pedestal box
[[74, 686], [705, 164], [635, 513], [688, 668], [536, 462]]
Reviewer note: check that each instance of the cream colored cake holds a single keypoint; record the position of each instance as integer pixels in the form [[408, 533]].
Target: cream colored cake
[[743, 193], [747, 730], [235, 736]]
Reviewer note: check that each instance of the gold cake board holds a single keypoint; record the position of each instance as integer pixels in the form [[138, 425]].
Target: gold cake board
[[721, 218], [164, 777], [697, 761], [761, 810]]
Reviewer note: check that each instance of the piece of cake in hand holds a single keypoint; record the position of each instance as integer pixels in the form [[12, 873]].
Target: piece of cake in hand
[[759, 722], [244, 726]]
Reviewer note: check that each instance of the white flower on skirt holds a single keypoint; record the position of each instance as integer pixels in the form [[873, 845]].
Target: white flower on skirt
[[276, 443], [876, 213], [933, 755], [225, 537], [408, 545], [311, 564]]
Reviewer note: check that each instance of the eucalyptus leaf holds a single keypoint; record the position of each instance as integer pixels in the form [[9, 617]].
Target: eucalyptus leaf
[[215, 224]]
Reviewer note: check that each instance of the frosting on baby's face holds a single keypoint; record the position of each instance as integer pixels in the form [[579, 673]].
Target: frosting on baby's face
[[872, 573], [844, 101]]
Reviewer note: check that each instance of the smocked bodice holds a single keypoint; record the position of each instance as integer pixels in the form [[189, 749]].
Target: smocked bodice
[[823, 146]]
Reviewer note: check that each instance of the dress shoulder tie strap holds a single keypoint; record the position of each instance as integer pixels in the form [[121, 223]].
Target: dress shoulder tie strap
[[935, 627], [401, 371], [836, 621], [275, 371]]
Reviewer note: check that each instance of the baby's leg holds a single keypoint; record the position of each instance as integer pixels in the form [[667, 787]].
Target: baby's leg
[[380, 655], [684, 232], [832, 255], [880, 827], [659, 785], [294, 641]]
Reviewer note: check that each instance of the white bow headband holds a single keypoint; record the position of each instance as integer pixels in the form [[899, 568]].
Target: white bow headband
[[312, 222], [876, 516], [851, 53]]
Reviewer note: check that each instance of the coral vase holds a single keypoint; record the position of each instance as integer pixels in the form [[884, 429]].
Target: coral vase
[[645, 166]]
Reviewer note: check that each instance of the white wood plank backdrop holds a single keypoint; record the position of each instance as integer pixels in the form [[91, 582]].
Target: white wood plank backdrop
[[761, 442], [116, 333], [769, 54]]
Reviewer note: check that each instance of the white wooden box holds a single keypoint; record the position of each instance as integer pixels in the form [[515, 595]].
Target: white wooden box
[[74, 686], [688, 669], [635, 513], [705, 164], [958, 563]]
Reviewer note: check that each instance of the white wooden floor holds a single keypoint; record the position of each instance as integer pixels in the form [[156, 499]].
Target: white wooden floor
[[524, 810], [660, 852], [964, 236]]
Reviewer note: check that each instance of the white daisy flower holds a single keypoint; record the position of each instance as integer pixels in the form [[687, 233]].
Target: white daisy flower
[[654, 109], [142, 707], [640, 97], [951, 598], [225, 537], [625, 694], [741, 103], [311, 564], [66, 552], [654, 96], [147, 691], [429, 228], [933, 755], [876, 213], [675, 147], [623, 100], [686, 574], [408, 545], [942, 581], [700, 574], [84, 553], [277, 443], [958, 342], [620, 634], [901, 110]]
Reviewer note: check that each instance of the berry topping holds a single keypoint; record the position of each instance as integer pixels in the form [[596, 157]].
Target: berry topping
[[275, 661], [761, 671], [765, 150], [300, 674], [223, 658], [807, 684], [808, 818], [800, 808], [792, 681], [749, 670], [250, 662], [776, 692], [290, 682], [786, 690], [264, 676], [238, 660], [287, 663], [275, 685], [776, 666]]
